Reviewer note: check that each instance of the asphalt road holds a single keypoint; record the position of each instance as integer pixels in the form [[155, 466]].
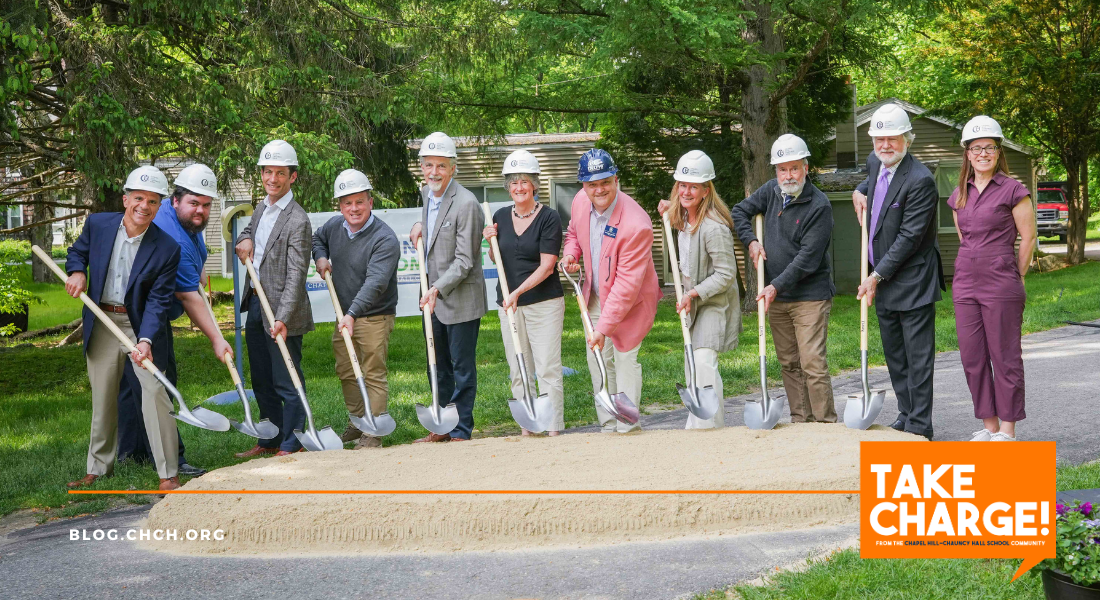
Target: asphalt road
[[1063, 375]]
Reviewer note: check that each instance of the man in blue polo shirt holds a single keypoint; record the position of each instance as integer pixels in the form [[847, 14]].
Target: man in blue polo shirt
[[184, 219]]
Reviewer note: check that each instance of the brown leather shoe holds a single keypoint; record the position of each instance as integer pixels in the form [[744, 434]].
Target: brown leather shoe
[[285, 453], [88, 479], [256, 451], [368, 441], [433, 437], [167, 485], [351, 433], [458, 439]]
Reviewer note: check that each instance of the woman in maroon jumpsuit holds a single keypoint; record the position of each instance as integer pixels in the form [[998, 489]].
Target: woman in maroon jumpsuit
[[991, 210]]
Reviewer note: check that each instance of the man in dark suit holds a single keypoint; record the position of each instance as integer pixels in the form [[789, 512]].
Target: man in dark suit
[[905, 255], [133, 267]]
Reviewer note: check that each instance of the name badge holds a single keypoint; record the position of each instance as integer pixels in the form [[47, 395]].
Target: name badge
[[610, 231]]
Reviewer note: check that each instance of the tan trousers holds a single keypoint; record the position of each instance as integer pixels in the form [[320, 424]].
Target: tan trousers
[[799, 330], [624, 374], [540, 327], [706, 373], [105, 358], [371, 338]]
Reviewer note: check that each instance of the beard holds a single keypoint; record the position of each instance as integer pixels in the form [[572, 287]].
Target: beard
[[190, 227], [889, 160], [435, 186], [792, 189]]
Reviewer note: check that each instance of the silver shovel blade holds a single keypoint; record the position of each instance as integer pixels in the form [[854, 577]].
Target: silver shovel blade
[[203, 418], [703, 403], [319, 440], [763, 414], [448, 418], [536, 420], [264, 430], [625, 410], [383, 424], [861, 414]]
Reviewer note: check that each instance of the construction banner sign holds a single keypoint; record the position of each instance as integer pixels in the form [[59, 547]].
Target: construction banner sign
[[958, 500]]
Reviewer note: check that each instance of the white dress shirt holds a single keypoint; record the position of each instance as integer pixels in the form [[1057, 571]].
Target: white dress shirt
[[596, 225], [123, 252], [433, 213], [352, 234], [266, 224]]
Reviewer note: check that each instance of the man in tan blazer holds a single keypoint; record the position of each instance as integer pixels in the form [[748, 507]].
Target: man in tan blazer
[[452, 223], [278, 240]]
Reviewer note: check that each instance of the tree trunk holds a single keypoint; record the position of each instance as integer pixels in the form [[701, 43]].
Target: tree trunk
[[42, 237], [757, 130], [1078, 209]]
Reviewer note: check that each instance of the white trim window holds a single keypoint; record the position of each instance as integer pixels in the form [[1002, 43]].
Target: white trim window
[[13, 217]]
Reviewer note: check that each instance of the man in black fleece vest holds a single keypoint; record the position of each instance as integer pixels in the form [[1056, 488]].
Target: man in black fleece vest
[[364, 253], [798, 286]]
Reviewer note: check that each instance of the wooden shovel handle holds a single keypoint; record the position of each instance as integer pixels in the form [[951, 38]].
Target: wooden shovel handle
[[428, 335], [670, 243], [343, 330], [863, 252], [279, 341], [760, 286], [98, 312], [503, 280]]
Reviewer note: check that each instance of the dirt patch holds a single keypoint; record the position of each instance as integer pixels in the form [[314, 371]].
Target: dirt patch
[[792, 457]]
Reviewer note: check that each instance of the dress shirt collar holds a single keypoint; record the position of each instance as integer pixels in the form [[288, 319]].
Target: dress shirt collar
[[607, 213], [282, 202], [352, 234]]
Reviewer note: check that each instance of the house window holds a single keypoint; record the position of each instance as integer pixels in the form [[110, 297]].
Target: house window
[[561, 199], [947, 179], [489, 193], [13, 217]]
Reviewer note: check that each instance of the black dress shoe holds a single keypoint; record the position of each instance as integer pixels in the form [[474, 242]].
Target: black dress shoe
[[898, 425], [188, 470]]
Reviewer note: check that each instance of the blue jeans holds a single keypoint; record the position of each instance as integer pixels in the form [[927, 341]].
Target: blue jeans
[[275, 393], [456, 364]]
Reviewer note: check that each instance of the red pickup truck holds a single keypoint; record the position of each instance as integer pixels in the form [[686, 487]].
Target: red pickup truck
[[1052, 210]]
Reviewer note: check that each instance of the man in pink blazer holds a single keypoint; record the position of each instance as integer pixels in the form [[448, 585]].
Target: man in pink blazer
[[614, 237]]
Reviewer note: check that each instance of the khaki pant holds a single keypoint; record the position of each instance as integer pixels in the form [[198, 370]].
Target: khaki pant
[[706, 373], [105, 356], [540, 327], [799, 330], [371, 338], [624, 374]]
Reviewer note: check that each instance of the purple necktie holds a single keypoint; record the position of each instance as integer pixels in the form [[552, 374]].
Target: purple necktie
[[876, 208]]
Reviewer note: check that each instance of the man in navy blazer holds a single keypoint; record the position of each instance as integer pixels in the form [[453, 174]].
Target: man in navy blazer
[[904, 252], [132, 263]]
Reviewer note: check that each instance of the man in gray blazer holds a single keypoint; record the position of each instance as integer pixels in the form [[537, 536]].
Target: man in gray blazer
[[451, 224], [278, 240], [905, 253]]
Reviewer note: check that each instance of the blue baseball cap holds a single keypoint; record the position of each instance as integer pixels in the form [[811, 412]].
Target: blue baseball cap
[[595, 165]]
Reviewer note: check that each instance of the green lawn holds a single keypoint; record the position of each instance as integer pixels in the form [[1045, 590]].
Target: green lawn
[[45, 398], [845, 576]]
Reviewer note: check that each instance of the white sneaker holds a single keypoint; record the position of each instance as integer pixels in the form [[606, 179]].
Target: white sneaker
[[983, 435], [1001, 437]]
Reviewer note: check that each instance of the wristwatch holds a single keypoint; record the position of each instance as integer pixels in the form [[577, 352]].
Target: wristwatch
[[878, 278]]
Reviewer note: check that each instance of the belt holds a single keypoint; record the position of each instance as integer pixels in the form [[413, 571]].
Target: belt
[[114, 308]]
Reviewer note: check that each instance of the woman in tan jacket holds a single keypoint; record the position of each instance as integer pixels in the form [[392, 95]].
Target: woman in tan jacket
[[705, 248]]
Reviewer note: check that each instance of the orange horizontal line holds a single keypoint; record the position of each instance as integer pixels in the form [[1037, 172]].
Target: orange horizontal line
[[467, 492]]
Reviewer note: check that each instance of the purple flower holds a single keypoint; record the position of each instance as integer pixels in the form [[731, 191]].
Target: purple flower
[[1085, 508], [1060, 509]]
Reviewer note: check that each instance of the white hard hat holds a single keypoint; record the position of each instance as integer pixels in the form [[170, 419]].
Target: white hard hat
[[788, 147], [979, 127], [147, 178], [278, 153], [438, 144], [198, 178], [889, 119], [350, 181], [694, 167], [521, 161]]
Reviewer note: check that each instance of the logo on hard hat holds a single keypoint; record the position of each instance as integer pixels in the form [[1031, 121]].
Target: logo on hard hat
[[205, 183], [685, 171], [779, 153], [145, 178], [977, 128], [515, 162], [595, 164], [267, 155], [878, 125], [431, 146], [343, 185]]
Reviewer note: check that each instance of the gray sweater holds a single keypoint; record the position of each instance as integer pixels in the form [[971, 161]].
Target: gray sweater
[[796, 240], [364, 268]]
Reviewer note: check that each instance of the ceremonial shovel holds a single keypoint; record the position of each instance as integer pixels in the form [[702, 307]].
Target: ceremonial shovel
[[200, 417], [383, 424], [701, 402], [265, 429], [764, 414], [862, 409], [618, 404], [532, 415], [312, 439], [436, 419]]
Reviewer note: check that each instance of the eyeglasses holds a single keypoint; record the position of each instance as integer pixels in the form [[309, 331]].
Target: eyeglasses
[[979, 150]]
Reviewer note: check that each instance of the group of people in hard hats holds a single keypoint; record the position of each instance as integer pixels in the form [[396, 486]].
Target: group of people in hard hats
[[146, 266]]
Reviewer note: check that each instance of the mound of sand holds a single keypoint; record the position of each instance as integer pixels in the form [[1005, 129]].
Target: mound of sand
[[794, 457]]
